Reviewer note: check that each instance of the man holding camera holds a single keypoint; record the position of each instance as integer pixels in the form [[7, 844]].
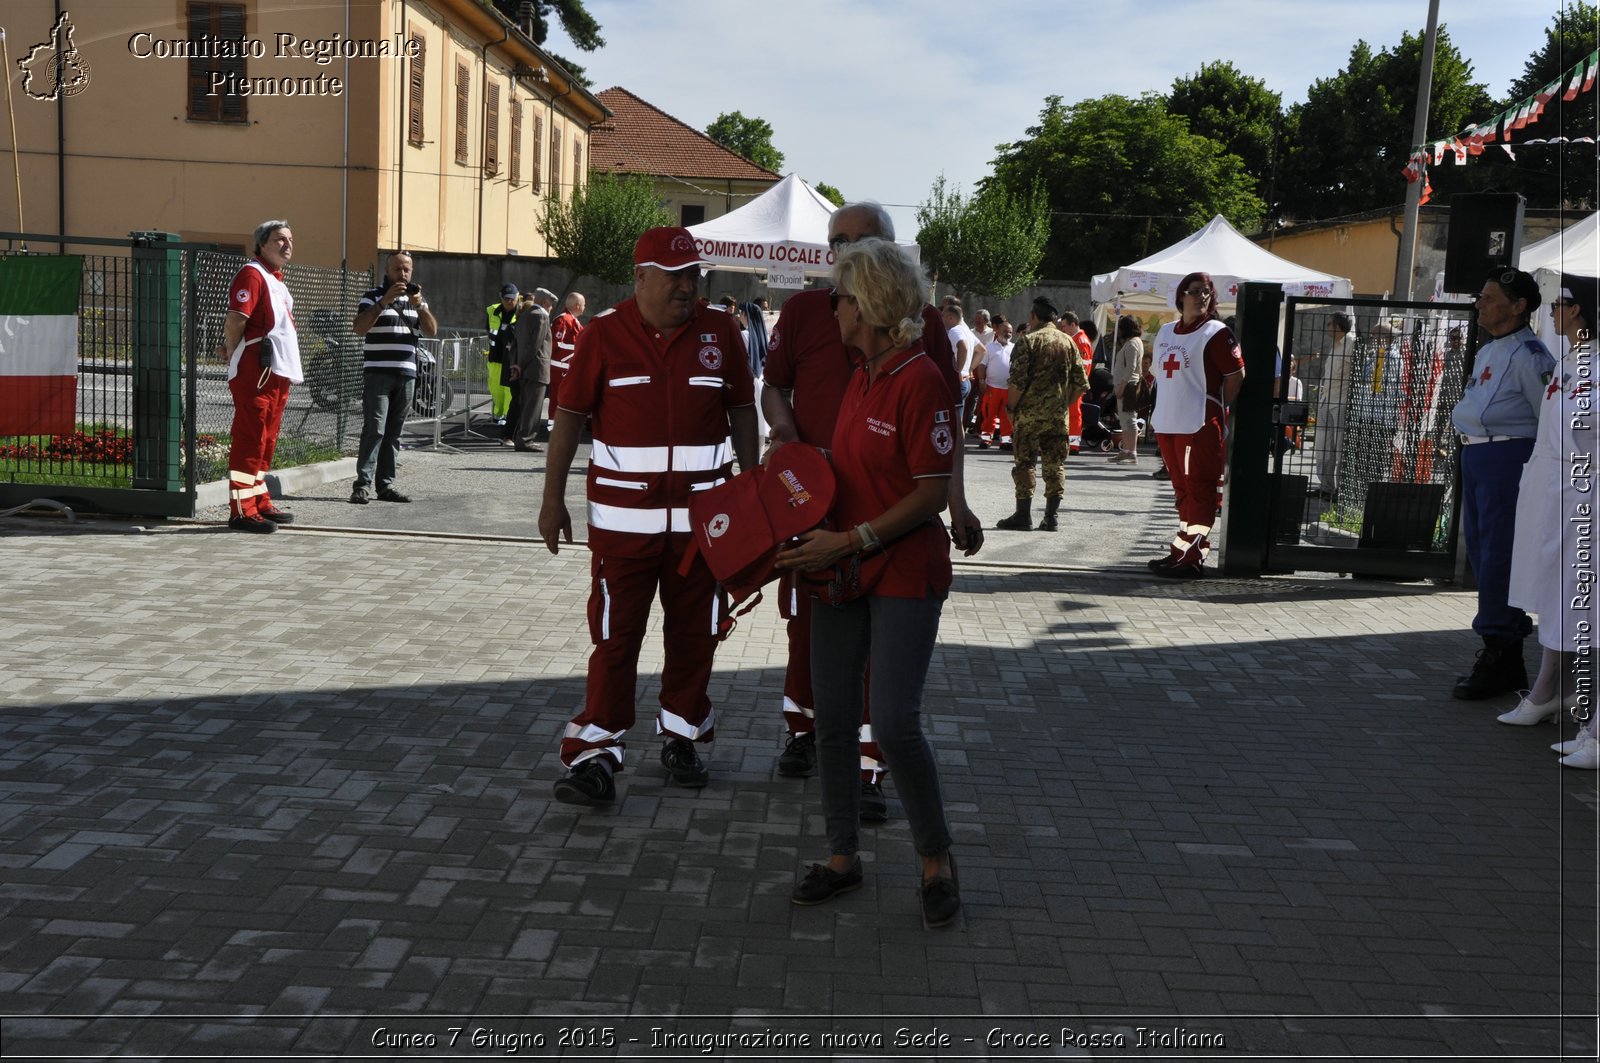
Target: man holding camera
[[391, 318]]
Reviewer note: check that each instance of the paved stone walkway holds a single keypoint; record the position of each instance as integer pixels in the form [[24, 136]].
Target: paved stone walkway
[[290, 796]]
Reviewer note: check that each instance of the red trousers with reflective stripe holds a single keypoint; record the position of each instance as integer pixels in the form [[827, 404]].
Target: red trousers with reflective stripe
[[619, 612], [1195, 464], [796, 605], [257, 416]]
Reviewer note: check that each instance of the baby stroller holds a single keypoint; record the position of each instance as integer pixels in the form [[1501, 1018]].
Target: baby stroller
[[1100, 424]]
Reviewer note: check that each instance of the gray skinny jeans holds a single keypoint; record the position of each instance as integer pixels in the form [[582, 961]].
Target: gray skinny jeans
[[897, 635]]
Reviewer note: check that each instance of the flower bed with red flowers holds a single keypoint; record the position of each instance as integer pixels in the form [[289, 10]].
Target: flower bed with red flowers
[[103, 446]]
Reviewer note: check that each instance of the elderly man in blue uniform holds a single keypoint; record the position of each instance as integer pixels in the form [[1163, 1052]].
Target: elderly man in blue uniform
[[1497, 420]]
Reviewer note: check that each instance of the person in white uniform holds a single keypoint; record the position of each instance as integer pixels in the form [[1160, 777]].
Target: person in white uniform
[[1550, 574]]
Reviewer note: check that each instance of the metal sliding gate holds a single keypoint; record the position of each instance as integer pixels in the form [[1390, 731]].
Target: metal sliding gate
[[153, 412], [1364, 463]]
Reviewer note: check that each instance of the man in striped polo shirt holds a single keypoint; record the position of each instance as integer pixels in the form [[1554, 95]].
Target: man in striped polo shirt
[[391, 317]]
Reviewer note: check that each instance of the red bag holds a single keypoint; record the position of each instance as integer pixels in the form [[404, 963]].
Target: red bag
[[740, 525]]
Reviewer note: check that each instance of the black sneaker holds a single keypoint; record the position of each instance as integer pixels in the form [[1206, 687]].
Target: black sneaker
[[799, 758], [941, 899], [276, 515], [389, 494], [1161, 473], [589, 783], [823, 884], [359, 496], [255, 524], [874, 806], [683, 764]]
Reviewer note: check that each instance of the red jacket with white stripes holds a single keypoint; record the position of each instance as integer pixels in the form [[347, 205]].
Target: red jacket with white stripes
[[659, 405]]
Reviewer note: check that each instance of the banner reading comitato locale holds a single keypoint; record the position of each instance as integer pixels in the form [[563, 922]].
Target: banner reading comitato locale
[[812, 258]]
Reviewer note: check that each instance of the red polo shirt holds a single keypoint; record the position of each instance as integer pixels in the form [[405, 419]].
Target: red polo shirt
[[891, 433], [805, 356]]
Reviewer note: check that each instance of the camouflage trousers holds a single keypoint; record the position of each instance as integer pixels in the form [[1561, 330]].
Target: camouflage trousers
[[1049, 449]]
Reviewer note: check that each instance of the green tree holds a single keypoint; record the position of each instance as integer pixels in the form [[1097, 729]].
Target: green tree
[[749, 137], [593, 233], [1237, 111], [533, 16], [830, 193], [990, 243], [1121, 178], [1557, 175], [1354, 129]]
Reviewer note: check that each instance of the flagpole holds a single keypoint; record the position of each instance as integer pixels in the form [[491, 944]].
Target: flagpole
[[1406, 259], [16, 150]]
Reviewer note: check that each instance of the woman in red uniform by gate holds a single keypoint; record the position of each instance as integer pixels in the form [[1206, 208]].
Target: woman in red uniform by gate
[[893, 448]]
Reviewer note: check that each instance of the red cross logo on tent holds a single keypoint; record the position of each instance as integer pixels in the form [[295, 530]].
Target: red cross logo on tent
[[1171, 365], [1233, 290]]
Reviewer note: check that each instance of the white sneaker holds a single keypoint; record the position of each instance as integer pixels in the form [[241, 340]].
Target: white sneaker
[[1586, 757], [1125, 457], [1528, 712]]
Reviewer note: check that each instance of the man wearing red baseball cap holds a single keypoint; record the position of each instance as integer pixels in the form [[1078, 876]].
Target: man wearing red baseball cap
[[667, 384]]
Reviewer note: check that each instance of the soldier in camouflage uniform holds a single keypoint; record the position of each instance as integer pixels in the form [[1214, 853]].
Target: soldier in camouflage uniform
[[1046, 375]]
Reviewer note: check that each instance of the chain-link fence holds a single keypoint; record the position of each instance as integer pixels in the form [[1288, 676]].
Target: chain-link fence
[[1369, 460], [323, 418]]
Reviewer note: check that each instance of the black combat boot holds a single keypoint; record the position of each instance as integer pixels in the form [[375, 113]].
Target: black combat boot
[[1021, 520], [1048, 521], [1498, 670]]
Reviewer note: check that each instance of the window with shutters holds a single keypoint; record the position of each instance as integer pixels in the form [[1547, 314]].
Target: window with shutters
[[463, 99], [577, 162], [213, 80], [555, 161], [415, 74], [537, 174], [516, 141], [491, 130]]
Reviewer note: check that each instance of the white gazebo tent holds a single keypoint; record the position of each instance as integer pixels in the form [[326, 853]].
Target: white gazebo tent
[[1576, 250], [783, 233], [1147, 286]]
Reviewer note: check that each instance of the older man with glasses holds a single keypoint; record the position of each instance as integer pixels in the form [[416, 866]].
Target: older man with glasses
[[1497, 420], [1198, 372]]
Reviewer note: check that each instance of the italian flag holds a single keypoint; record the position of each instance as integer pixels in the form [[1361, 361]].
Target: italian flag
[[39, 344]]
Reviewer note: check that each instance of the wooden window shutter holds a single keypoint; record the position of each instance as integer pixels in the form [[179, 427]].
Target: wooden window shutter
[[491, 130], [555, 161], [577, 163], [516, 141], [224, 21], [463, 99], [416, 78], [537, 174]]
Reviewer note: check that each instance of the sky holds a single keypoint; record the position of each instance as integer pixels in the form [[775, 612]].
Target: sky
[[878, 97]]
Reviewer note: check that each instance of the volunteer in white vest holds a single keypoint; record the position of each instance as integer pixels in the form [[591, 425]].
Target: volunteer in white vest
[[1198, 371], [263, 352]]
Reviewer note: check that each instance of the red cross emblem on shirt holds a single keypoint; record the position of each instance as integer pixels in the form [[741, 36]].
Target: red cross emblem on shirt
[[1488, 371], [1171, 365], [1555, 386]]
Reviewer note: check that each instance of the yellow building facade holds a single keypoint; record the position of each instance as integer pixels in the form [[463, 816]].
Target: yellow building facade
[[370, 125]]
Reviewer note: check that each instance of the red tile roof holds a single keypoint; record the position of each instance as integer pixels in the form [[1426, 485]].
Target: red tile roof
[[642, 138]]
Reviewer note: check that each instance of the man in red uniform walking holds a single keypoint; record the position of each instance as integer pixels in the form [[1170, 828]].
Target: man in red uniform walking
[[667, 382], [808, 368], [563, 343], [263, 352]]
